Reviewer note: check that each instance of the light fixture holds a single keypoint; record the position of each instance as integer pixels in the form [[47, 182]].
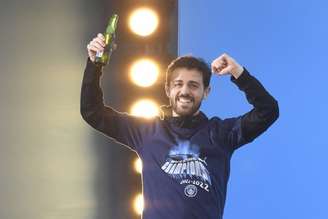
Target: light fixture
[[144, 72], [143, 21], [138, 204], [145, 108]]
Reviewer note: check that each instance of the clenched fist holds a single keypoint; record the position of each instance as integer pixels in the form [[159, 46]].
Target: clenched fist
[[97, 44], [225, 64]]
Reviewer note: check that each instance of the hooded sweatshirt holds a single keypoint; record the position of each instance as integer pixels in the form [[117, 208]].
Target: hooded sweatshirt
[[186, 160]]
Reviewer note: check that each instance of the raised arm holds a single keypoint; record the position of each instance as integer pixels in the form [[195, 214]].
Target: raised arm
[[122, 127], [247, 127]]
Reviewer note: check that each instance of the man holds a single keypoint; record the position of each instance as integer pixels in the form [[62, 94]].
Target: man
[[185, 155]]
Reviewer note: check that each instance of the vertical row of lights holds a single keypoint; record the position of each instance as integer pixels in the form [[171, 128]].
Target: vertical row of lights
[[144, 72], [138, 203]]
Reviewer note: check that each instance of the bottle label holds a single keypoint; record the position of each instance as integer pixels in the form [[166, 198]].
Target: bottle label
[[99, 54]]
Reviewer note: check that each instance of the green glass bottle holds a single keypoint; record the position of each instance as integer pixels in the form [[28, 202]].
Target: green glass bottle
[[103, 57]]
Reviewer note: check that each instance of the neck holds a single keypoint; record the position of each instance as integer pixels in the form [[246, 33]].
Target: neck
[[174, 114]]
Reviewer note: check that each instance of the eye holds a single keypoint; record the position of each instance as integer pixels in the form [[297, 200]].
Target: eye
[[177, 84], [194, 86]]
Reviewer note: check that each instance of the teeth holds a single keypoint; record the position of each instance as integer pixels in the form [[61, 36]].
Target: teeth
[[184, 100]]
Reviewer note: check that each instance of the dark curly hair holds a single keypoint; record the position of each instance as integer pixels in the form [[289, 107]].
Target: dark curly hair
[[189, 62]]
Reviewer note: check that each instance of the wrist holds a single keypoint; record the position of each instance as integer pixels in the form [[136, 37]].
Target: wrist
[[237, 72]]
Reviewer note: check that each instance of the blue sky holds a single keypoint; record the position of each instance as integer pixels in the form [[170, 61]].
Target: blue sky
[[282, 174]]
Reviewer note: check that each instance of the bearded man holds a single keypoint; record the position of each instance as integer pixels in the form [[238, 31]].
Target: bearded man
[[185, 155]]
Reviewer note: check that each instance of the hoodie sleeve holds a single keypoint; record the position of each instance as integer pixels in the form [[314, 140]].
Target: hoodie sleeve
[[246, 128], [125, 129]]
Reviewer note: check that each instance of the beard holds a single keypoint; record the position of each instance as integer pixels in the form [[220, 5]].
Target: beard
[[185, 105]]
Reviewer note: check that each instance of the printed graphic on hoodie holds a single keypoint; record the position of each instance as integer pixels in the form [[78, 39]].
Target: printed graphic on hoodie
[[185, 164]]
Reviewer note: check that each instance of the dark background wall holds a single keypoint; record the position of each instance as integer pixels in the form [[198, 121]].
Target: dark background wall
[[52, 164], [47, 163]]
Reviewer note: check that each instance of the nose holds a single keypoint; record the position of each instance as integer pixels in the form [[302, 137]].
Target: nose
[[185, 89]]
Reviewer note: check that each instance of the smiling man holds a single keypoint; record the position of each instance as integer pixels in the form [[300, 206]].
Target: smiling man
[[185, 90], [186, 156]]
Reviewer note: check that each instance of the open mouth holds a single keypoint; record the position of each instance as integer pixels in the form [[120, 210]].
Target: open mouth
[[184, 100]]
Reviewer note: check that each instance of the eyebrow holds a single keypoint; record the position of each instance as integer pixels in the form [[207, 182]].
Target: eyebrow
[[191, 82], [194, 82]]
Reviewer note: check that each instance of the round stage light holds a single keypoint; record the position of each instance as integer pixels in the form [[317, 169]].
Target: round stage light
[[138, 204], [145, 108], [144, 72], [138, 165], [143, 21]]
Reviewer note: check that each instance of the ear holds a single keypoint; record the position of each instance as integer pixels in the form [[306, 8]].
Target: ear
[[207, 92], [167, 90]]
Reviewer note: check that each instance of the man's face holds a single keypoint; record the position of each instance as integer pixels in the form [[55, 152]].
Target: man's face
[[186, 91]]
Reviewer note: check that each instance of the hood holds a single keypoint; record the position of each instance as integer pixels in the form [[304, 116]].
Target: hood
[[188, 122]]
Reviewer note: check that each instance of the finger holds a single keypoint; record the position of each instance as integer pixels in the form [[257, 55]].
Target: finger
[[221, 63], [220, 60], [101, 36], [215, 64], [216, 69], [213, 67], [100, 41], [221, 57], [225, 56], [98, 45], [218, 65], [94, 48], [225, 70]]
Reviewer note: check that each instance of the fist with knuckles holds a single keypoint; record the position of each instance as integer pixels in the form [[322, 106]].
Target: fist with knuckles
[[225, 64]]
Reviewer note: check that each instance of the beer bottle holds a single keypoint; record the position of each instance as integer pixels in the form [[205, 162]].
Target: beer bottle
[[103, 57]]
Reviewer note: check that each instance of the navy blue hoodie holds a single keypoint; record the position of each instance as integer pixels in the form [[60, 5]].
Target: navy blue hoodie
[[186, 160]]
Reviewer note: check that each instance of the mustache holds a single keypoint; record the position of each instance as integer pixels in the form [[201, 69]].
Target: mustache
[[184, 96]]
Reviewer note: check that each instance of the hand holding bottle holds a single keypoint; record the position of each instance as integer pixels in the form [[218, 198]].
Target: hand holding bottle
[[97, 44], [101, 47]]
